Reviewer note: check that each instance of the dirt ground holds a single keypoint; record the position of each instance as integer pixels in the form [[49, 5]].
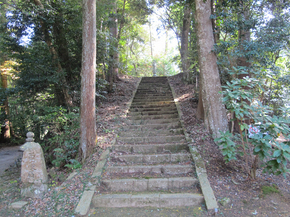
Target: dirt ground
[[247, 198]]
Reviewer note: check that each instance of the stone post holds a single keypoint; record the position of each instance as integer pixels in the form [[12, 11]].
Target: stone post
[[33, 169]]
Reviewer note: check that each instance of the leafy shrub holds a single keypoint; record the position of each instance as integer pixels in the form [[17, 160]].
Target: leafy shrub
[[55, 128], [63, 141], [262, 145]]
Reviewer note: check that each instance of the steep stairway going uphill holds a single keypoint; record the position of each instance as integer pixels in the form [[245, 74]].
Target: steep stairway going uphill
[[150, 165]]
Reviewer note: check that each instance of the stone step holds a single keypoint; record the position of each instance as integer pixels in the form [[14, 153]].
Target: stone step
[[171, 108], [152, 148], [153, 98], [154, 79], [150, 86], [151, 132], [149, 184], [152, 95], [147, 200], [150, 104], [154, 121], [153, 158], [147, 127], [151, 139], [156, 105], [154, 89], [146, 101], [167, 169], [136, 113], [148, 117]]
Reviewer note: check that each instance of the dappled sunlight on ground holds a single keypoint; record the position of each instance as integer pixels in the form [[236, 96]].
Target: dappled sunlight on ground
[[183, 97]]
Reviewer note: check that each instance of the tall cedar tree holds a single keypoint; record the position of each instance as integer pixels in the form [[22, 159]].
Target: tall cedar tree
[[214, 110], [88, 82]]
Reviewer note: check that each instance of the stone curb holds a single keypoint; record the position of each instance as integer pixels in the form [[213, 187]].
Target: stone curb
[[84, 204], [18, 204], [200, 168]]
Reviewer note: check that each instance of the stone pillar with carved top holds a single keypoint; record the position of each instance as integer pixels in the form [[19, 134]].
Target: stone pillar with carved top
[[33, 169]]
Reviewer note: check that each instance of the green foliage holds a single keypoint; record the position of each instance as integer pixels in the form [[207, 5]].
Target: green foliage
[[63, 138], [228, 147], [270, 189], [55, 128], [266, 146], [254, 75], [264, 143]]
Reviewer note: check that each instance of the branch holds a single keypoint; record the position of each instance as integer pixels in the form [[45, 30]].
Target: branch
[[122, 22]]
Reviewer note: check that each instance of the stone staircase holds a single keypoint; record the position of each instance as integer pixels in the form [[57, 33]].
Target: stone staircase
[[150, 164]]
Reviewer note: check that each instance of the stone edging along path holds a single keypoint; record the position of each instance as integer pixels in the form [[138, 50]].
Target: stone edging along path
[[210, 201]]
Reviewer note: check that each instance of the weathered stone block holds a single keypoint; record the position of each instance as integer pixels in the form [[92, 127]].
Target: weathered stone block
[[158, 158], [141, 185], [158, 184], [180, 157], [33, 169], [176, 200], [18, 204], [182, 182], [145, 200], [176, 170], [119, 184], [131, 158]]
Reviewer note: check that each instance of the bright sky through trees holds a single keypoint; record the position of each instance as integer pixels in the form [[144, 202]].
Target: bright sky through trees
[[159, 35]]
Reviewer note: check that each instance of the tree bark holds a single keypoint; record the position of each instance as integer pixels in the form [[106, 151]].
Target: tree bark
[[214, 110], [214, 26], [88, 80], [113, 21], [199, 110], [5, 130], [184, 40]]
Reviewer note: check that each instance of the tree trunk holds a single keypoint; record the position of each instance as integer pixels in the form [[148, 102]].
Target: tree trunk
[[61, 92], [199, 110], [113, 22], [5, 130], [184, 40], [118, 33], [214, 27], [88, 81], [214, 110]]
